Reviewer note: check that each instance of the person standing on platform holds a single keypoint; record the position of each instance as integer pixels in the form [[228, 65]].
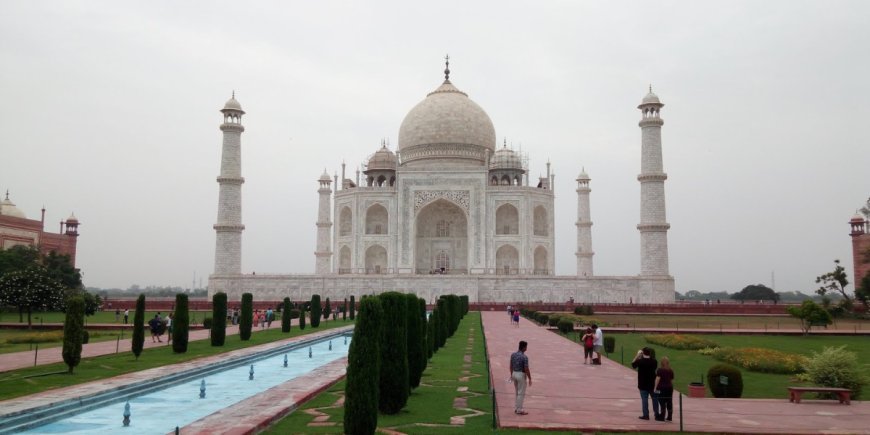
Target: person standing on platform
[[646, 380], [520, 374], [588, 344], [126, 315], [664, 388], [597, 344]]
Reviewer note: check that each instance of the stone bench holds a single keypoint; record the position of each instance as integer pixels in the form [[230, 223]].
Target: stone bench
[[794, 393]]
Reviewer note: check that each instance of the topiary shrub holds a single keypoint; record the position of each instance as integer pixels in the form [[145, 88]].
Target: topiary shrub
[[565, 326], [609, 344], [181, 324], [441, 334], [554, 320], [464, 303], [394, 387], [352, 307], [344, 310], [208, 323], [542, 318], [424, 332], [584, 310], [73, 332], [138, 341], [327, 309], [316, 311], [836, 367], [246, 322], [416, 361], [86, 336], [294, 313], [285, 315], [218, 320], [733, 385], [431, 327], [302, 319], [361, 390]]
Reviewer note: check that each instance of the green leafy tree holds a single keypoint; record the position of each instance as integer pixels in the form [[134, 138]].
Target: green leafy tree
[[219, 319], [756, 292], [327, 309], [302, 317], [810, 313], [834, 281], [60, 268], [181, 324], [394, 387], [246, 321], [862, 293], [18, 258], [138, 341], [361, 391], [73, 332], [352, 307], [316, 311], [416, 341], [286, 316], [31, 289]]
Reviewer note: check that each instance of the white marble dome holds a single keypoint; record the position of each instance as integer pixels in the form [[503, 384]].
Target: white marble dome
[[446, 125], [383, 159], [8, 208], [233, 104], [505, 158]]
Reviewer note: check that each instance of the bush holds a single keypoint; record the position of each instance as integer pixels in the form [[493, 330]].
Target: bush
[[431, 327], [352, 307], [302, 319], [836, 367], [680, 342], [316, 311], [344, 310], [285, 315], [327, 309], [36, 337], [181, 324], [763, 360], [554, 320], [138, 341], [734, 387], [565, 326], [361, 393], [584, 310], [73, 332], [542, 318], [424, 331], [294, 313], [416, 341], [86, 336], [394, 387], [246, 320], [464, 304], [441, 333], [609, 344], [218, 322]]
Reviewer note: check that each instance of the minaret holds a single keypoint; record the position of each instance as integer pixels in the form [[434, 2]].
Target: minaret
[[653, 225], [324, 225], [228, 229], [584, 227]]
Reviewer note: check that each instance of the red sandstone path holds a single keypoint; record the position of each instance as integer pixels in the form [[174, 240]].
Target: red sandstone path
[[17, 360], [568, 395]]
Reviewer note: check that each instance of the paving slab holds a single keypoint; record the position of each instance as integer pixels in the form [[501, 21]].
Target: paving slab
[[567, 395]]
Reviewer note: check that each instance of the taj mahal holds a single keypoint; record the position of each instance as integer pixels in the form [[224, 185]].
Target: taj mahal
[[449, 211]]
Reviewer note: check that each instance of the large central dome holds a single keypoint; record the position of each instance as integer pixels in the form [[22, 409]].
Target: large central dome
[[446, 128]]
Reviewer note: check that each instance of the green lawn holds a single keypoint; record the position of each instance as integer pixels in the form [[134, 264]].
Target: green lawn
[[98, 317], [7, 334], [32, 380], [690, 366]]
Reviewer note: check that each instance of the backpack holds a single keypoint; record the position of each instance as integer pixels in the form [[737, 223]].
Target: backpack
[[588, 342]]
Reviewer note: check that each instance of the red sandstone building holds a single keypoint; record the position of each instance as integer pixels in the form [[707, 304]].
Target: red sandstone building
[[861, 244], [17, 229]]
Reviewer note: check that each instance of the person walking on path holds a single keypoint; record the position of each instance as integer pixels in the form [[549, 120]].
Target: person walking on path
[[646, 379], [516, 319], [154, 325], [597, 343], [126, 315], [168, 322], [664, 388], [588, 342], [269, 315], [520, 373]]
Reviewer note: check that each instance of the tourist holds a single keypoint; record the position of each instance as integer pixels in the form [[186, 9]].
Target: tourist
[[168, 322], [269, 315], [516, 318], [664, 388], [235, 316], [520, 373], [597, 343], [126, 315], [646, 379], [154, 325], [588, 343], [510, 311], [117, 315]]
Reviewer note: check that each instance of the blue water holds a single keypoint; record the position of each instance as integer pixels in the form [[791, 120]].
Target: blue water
[[180, 405]]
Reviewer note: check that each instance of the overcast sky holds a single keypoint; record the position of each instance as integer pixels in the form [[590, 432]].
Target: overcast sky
[[110, 110]]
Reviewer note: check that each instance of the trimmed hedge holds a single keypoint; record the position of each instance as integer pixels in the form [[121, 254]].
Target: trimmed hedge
[[394, 387], [286, 313], [680, 342], [218, 324], [361, 391], [565, 326], [584, 310], [352, 307], [327, 309], [73, 332], [138, 341], [181, 324], [734, 386], [554, 320], [609, 344], [302, 318], [416, 341], [762, 360], [246, 321], [316, 311]]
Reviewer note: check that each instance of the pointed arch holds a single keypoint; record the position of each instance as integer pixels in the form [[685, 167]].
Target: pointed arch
[[377, 220], [541, 261], [344, 260], [376, 259], [507, 220], [345, 222], [541, 222], [507, 260]]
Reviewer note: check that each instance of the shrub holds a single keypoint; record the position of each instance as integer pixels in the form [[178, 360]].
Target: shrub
[[86, 336], [361, 394], [680, 342], [138, 341], [441, 333], [181, 324], [810, 313], [836, 367], [431, 327], [609, 344], [565, 326], [763, 360], [36, 337], [734, 386], [416, 341], [246, 320], [344, 310], [218, 321], [584, 310], [394, 387], [327, 309], [424, 332], [542, 318], [464, 303], [285, 315], [554, 320], [73, 332], [302, 319], [294, 313], [316, 311], [352, 306]]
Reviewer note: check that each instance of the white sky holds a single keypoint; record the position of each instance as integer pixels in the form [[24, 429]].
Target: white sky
[[111, 111]]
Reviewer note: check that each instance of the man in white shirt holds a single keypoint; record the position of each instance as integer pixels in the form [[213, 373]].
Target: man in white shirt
[[597, 342]]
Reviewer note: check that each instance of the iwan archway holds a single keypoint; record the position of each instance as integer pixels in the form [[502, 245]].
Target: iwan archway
[[441, 239]]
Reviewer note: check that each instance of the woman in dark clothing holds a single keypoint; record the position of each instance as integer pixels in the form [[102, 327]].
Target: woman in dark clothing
[[665, 389]]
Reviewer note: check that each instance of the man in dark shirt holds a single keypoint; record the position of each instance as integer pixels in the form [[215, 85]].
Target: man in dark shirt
[[646, 379], [519, 374]]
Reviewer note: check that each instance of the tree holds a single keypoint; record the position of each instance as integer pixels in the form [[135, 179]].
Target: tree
[[863, 293], [181, 324], [60, 267], [756, 292], [344, 310], [443, 326], [218, 319], [834, 281], [361, 391], [352, 306], [286, 316], [302, 317], [246, 322], [18, 258], [424, 333], [316, 311], [73, 331], [415, 341], [394, 387], [31, 289], [810, 313], [327, 309], [138, 341], [431, 327]]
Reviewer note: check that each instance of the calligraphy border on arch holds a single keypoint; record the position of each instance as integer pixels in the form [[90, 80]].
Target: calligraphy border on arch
[[425, 197]]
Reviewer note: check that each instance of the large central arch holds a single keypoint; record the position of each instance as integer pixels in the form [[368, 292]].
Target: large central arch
[[441, 239]]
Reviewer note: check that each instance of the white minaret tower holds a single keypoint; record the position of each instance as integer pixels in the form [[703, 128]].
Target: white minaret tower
[[228, 229], [323, 254], [653, 225], [584, 227]]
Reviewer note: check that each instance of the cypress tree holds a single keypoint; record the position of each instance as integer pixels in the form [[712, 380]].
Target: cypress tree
[[73, 331], [344, 311], [394, 387], [415, 341], [443, 322], [285, 316], [327, 309], [218, 319], [315, 311], [363, 370], [453, 310], [181, 324], [352, 307], [464, 300], [431, 327], [246, 320], [138, 340], [302, 317], [424, 334]]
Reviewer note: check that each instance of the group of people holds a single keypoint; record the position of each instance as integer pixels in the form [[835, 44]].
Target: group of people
[[118, 315], [654, 381], [159, 326], [514, 314], [593, 342]]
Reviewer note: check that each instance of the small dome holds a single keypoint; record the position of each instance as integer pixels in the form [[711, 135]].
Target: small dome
[[8, 208], [857, 218], [651, 98], [583, 175], [325, 176], [505, 158], [382, 159], [233, 104], [72, 218]]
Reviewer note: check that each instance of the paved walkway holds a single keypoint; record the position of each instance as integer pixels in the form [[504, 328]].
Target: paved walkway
[[568, 395]]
